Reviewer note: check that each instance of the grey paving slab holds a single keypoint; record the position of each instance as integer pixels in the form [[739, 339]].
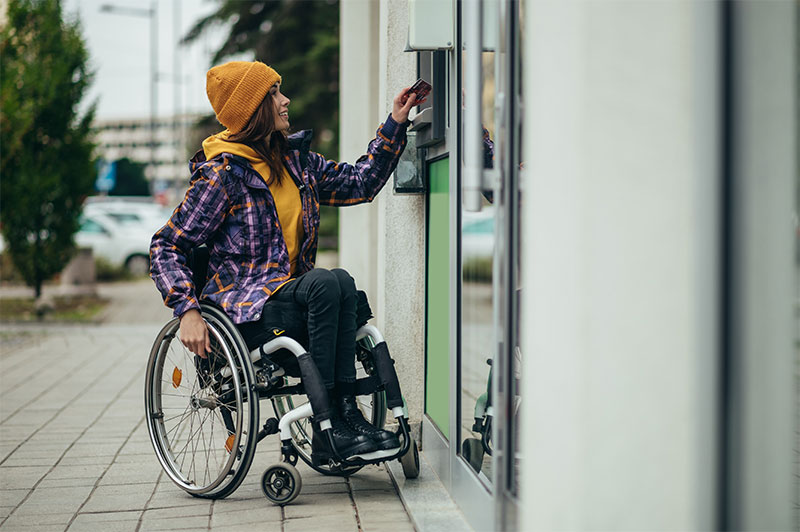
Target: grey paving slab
[[76, 455], [117, 498], [132, 473], [22, 477], [106, 522], [244, 514], [12, 497], [47, 482], [66, 471], [396, 521], [54, 500], [18, 527], [168, 520], [39, 520], [327, 522]]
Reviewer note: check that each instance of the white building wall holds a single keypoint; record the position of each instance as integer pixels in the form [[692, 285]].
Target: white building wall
[[401, 231], [359, 117], [620, 265], [383, 244]]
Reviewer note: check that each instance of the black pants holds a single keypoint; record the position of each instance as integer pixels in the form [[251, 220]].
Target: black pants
[[329, 299]]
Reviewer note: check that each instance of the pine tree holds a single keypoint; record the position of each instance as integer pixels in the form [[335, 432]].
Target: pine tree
[[46, 166]]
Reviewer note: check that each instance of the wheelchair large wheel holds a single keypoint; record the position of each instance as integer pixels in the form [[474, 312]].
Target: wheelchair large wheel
[[202, 414], [373, 407]]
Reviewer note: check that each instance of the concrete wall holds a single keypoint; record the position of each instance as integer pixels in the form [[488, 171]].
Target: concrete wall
[[383, 244]]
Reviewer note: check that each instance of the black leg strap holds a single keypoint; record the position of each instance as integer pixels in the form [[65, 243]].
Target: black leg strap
[[315, 389], [367, 385], [385, 366]]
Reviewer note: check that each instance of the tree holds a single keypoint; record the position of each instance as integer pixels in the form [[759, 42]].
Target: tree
[[130, 179], [300, 40], [46, 157]]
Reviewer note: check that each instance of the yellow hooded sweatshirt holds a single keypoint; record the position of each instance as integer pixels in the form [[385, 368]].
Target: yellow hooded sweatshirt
[[286, 195]]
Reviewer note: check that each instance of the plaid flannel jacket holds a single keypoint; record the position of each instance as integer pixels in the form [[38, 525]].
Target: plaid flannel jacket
[[230, 208]]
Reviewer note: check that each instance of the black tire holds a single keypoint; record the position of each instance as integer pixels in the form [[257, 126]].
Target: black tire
[[281, 483], [202, 417], [472, 451], [410, 460], [138, 265], [372, 406]]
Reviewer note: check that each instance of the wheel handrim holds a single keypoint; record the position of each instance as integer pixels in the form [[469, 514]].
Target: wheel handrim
[[186, 416]]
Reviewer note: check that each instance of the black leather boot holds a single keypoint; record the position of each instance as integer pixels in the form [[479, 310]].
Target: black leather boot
[[347, 441], [355, 419]]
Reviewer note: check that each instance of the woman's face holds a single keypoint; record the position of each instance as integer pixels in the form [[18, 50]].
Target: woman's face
[[281, 107]]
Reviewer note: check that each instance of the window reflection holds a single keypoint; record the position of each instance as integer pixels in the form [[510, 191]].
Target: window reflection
[[478, 331]]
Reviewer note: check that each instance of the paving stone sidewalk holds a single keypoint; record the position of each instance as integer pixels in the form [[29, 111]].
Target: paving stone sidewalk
[[75, 454]]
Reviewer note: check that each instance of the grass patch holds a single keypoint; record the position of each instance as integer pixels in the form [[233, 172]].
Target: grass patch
[[107, 272], [72, 309]]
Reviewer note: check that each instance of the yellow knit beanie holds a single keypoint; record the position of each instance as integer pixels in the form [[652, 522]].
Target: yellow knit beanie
[[236, 89]]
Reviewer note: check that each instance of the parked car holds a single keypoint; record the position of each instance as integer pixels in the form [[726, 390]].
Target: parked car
[[120, 244], [140, 212]]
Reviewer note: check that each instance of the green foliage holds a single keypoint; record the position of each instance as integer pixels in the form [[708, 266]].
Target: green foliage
[[478, 269], [300, 40], [108, 272], [46, 158], [130, 179], [68, 309]]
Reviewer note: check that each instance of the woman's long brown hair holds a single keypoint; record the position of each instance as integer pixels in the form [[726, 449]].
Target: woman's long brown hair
[[261, 135]]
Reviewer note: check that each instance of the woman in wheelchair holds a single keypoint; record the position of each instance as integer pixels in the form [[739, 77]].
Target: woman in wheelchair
[[254, 202]]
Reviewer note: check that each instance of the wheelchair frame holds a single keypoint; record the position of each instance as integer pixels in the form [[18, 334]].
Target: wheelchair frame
[[187, 398]]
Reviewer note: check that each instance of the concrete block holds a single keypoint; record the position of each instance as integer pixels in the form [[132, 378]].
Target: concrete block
[[80, 271]]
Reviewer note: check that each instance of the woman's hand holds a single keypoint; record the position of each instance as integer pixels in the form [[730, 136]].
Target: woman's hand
[[400, 109], [194, 333]]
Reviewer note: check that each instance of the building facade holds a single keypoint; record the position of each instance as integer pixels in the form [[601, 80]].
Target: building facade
[[162, 146], [596, 327]]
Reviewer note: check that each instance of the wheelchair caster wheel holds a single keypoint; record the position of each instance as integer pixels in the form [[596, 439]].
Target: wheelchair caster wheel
[[281, 483], [410, 461], [472, 450]]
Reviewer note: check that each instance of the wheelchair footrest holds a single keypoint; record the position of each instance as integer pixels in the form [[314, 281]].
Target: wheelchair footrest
[[375, 455]]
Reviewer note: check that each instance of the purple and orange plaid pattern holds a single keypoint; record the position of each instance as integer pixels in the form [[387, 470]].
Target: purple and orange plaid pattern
[[230, 209]]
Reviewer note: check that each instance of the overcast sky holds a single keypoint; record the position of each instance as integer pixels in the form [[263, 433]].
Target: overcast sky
[[119, 46]]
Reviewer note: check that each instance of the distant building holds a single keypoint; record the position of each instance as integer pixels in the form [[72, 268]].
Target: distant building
[[166, 148]]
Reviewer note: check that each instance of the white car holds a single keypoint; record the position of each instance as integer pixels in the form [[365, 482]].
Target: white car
[[121, 244], [130, 211]]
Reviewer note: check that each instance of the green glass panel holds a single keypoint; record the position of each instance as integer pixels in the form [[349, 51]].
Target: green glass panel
[[437, 349]]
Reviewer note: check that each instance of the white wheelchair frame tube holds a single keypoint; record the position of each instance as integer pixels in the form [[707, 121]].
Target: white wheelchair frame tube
[[305, 410]]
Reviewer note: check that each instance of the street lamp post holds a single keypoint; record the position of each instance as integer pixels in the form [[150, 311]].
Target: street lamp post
[[151, 14]]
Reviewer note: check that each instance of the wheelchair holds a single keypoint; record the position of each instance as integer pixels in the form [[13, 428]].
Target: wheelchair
[[203, 415]]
